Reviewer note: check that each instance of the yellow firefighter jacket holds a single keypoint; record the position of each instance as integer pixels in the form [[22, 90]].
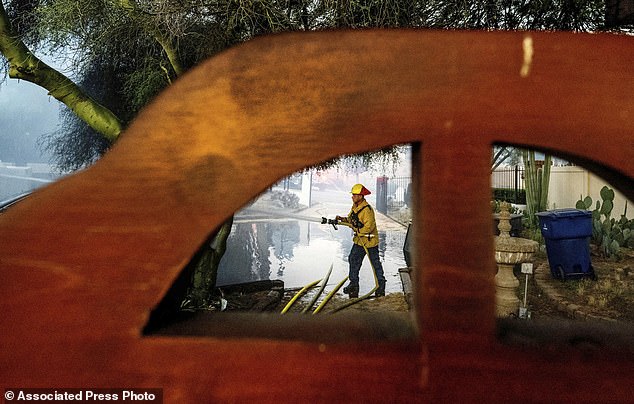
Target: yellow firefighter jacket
[[367, 235]]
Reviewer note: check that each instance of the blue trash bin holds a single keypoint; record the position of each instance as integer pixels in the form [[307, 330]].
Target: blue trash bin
[[567, 235]]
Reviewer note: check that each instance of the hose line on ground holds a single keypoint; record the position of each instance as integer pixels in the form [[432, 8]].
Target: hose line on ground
[[357, 300], [298, 295], [319, 292], [330, 295]]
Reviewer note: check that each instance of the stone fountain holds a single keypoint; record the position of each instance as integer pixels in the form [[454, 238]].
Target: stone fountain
[[508, 252]]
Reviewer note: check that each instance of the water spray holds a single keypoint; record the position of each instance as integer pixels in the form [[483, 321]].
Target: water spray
[[284, 215]]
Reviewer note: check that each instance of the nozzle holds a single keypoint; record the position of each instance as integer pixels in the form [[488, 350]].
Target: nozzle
[[333, 222]]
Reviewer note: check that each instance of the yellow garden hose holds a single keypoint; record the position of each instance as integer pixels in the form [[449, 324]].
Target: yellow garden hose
[[319, 292], [357, 300], [330, 295], [298, 294]]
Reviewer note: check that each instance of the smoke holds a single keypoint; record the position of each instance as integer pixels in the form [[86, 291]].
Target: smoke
[[27, 113]]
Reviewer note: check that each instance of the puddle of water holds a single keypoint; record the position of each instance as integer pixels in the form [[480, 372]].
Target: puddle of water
[[299, 252]]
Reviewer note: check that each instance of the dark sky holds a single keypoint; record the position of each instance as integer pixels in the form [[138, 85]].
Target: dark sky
[[26, 113]]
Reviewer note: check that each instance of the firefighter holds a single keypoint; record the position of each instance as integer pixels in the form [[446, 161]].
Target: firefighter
[[362, 221]]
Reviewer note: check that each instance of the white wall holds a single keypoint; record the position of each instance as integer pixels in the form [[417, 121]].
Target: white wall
[[306, 192], [568, 184]]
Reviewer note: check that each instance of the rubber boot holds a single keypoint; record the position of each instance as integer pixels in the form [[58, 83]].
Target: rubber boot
[[352, 291], [381, 289]]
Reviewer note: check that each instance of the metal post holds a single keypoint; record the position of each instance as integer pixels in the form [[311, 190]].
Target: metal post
[[516, 183], [381, 194], [527, 269]]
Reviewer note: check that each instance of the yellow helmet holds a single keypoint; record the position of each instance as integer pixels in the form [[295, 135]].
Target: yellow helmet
[[359, 189]]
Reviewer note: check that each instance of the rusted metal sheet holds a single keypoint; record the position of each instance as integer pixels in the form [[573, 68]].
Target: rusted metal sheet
[[84, 261]]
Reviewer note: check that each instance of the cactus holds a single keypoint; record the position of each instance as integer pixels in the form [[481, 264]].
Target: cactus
[[608, 234], [608, 201], [537, 182], [584, 203]]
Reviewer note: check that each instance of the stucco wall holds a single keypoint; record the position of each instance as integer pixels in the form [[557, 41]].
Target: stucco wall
[[568, 184]]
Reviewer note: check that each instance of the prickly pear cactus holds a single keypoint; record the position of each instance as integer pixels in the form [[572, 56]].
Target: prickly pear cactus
[[608, 201], [608, 234], [584, 203]]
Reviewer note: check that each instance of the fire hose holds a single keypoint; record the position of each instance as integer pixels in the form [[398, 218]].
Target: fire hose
[[330, 295], [334, 223], [357, 300], [298, 295], [319, 292]]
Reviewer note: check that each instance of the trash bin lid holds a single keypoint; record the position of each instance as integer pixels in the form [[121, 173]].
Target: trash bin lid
[[565, 213]]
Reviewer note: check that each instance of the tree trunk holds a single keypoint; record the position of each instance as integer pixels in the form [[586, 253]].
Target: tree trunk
[[205, 274], [24, 65], [131, 7], [618, 13]]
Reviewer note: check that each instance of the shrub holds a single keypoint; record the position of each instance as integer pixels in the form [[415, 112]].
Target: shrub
[[505, 194]]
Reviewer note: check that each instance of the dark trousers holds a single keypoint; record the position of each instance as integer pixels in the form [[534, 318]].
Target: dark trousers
[[355, 259]]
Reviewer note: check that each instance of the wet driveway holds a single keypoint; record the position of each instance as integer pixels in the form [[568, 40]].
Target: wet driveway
[[299, 251]]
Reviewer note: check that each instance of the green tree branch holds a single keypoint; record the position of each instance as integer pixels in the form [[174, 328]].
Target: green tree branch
[[136, 14], [24, 65]]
